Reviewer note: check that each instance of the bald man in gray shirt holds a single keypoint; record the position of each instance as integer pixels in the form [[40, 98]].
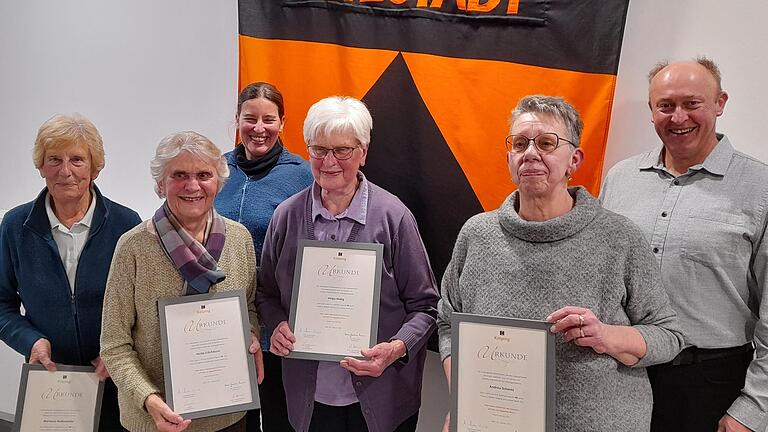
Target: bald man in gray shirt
[[703, 206]]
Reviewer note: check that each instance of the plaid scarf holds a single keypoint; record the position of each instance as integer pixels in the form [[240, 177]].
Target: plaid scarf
[[196, 263]]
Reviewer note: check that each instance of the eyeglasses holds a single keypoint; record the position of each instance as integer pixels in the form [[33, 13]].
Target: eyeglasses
[[544, 143], [340, 153]]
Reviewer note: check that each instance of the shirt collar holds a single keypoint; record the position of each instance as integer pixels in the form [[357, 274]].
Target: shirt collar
[[716, 162], [358, 207], [85, 221]]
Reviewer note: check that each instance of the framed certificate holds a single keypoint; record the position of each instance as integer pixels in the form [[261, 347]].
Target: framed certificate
[[335, 301], [66, 400], [207, 366], [502, 375]]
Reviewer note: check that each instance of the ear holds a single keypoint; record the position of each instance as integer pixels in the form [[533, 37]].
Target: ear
[[95, 173], [365, 154], [650, 108], [721, 100], [282, 124], [577, 158]]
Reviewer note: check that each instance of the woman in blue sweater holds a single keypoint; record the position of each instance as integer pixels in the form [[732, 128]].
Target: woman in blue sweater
[[262, 174], [55, 253]]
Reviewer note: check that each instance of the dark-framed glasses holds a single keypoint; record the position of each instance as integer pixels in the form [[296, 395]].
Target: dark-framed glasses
[[544, 143], [340, 153]]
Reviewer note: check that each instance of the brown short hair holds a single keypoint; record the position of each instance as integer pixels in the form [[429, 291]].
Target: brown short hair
[[705, 62], [262, 90]]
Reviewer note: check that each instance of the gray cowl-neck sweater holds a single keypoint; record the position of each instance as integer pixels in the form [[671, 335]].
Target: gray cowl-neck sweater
[[505, 266]]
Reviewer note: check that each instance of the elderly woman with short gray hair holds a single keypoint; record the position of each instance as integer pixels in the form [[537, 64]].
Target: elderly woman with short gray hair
[[55, 253], [216, 255], [551, 253], [382, 392]]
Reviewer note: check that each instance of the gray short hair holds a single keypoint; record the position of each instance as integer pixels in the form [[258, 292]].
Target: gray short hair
[[554, 106], [191, 142], [338, 114], [703, 61]]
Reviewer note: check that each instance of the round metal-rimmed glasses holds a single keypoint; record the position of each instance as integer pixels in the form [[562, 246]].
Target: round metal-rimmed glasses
[[340, 153], [545, 143]]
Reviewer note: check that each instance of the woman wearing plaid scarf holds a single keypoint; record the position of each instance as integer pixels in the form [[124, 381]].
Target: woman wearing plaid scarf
[[186, 248]]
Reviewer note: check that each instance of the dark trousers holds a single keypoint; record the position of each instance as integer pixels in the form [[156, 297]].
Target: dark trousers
[[274, 411], [694, 397], [109, 419], [326, 418]]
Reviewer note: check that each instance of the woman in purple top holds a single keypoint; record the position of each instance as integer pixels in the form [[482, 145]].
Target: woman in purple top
[[382, 392]]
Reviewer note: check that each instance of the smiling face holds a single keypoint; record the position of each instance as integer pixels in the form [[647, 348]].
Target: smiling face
[[685, 103], [190, 185], [537, 174], [68, 173], [258, 125], [333, 175]]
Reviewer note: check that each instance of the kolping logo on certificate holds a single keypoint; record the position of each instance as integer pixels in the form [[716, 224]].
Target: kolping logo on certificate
[[335, 303], [502, 375]]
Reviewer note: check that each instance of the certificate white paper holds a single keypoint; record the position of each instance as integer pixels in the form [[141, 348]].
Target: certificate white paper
[[335, 303], [66, 400], [502, 375], [207, 366]]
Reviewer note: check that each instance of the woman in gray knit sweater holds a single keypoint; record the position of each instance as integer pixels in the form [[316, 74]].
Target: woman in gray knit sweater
[[552, 253]]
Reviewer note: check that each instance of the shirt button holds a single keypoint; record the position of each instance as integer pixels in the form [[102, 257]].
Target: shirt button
[[333, 236], [359, 383], [367, 411], [676, 182], [655, 250], [663, 214]]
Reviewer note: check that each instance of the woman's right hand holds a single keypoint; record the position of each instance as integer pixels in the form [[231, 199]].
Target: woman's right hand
[[447, 424], [281, 342], [165, 419]]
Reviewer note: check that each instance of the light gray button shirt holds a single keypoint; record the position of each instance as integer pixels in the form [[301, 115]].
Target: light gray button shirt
[[70, 241], [706, 228]]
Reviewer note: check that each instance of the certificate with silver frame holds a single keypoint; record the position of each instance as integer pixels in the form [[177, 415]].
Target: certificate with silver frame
[[502, 375], [207, 367], [66, 400], [335, 300]]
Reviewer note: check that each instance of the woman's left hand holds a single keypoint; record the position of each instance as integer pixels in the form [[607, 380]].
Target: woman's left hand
[[258, 357], [377, 359], [101, 370], [581, 326]]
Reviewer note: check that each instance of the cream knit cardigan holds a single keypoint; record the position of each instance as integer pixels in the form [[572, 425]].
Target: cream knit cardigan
[[141, 274]]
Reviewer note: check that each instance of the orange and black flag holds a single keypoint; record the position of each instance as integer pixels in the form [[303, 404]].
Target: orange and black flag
[[440, 78]]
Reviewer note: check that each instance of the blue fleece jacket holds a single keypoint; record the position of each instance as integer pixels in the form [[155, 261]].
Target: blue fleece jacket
[[31, 272], [252, 202]]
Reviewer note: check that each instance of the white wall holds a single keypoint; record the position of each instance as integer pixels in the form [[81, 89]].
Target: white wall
[[731, 33], [138, 69], [142, 69]]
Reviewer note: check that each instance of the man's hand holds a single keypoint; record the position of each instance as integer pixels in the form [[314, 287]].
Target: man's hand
[[377, 358], [165, 419], [41, 353], [729, 424]]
